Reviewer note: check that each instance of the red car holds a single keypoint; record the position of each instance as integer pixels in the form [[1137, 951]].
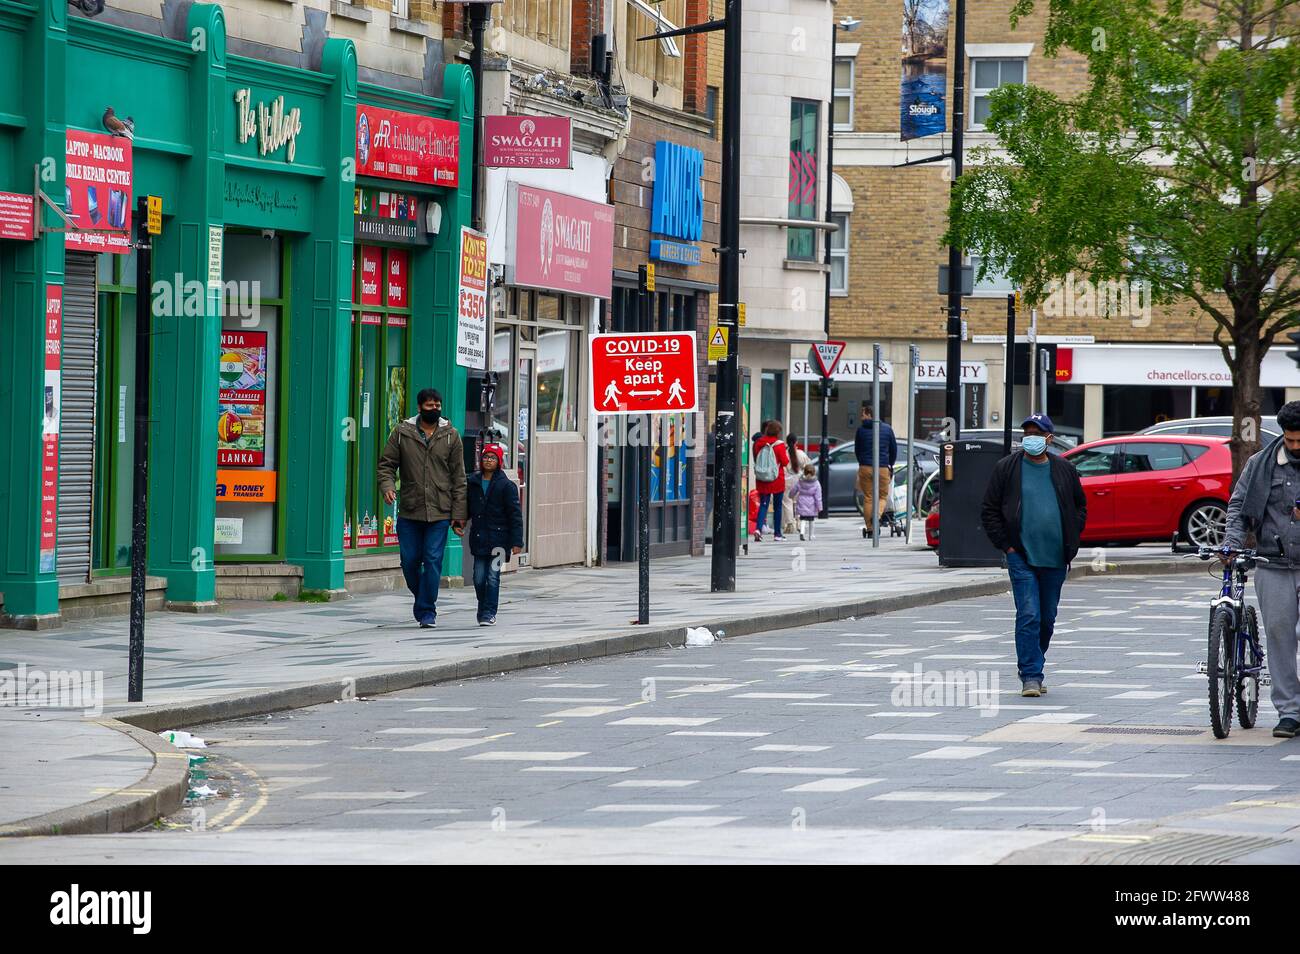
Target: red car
[[1147, 486]]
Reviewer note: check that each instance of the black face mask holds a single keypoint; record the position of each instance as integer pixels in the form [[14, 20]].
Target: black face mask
[[430, 417]]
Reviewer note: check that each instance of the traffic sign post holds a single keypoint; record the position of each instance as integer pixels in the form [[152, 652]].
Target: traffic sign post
[[643, 373], [646, 373], [825, 357]]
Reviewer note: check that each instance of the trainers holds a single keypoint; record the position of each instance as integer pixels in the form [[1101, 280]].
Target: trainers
[[490, 621], [1286, 728], [801, 536], [758, 538], [1032, 688], [428, 623]]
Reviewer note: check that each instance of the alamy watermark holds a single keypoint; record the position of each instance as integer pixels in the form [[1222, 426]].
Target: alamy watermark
[[1081, 297], [946, 689], [26, 688], [177, 297]]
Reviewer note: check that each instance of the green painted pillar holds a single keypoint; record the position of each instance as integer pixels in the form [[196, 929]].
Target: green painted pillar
[[319, 338], [182, 439], [435, 289], [31, 598]]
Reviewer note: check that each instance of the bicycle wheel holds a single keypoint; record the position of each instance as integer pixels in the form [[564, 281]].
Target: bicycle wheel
[[1248, 686], [1219, 670]]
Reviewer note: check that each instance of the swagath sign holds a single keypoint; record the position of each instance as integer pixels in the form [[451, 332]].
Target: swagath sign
[[559, 242]]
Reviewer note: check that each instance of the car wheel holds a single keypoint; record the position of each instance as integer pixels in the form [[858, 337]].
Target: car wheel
[[1206, 524]]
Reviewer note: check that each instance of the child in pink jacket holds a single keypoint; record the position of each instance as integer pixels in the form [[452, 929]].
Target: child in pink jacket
[[807, 501]]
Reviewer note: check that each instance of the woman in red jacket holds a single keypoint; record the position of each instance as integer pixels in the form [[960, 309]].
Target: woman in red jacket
[[771, 458]]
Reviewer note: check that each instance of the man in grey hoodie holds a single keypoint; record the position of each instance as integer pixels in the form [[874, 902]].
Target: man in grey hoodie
[[1264, 502]]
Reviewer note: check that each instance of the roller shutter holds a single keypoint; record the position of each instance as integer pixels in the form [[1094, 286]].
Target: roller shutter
[[77, 419]]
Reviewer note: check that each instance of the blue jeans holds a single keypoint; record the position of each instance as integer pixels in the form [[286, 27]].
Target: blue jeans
[[421, 543], [775, 501], [487, 585], [1037, 591]]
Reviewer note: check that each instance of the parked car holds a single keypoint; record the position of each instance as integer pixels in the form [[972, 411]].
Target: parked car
[[842, 495], [932, 527], [1212, 426], [812, 445], [1150, 486]]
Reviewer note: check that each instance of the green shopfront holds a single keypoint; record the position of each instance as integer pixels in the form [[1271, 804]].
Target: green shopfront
[[303, 289]]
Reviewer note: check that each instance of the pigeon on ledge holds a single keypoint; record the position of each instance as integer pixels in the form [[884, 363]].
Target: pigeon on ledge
[[116, 126]]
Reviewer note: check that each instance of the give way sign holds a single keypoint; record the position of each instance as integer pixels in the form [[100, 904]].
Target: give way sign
[[643, 373], [826, 355]]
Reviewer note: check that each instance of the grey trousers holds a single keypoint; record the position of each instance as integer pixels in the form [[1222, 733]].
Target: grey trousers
[[1278, 592]]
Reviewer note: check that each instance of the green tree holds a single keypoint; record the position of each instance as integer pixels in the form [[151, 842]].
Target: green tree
[[1174, 168]]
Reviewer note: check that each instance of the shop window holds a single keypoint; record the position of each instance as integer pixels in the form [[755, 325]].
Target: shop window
[[249, 431], [557, 380], [801, 244], [380, 396], [988, 76]]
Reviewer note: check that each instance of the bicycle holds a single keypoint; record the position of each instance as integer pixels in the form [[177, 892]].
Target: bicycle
[[1234, 662]]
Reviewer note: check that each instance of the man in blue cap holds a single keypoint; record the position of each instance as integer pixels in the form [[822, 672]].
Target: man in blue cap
[[1034, 511]]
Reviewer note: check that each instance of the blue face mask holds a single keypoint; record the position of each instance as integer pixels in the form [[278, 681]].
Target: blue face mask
[[1034, 445]]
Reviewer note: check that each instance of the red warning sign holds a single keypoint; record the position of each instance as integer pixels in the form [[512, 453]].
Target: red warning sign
[[643, 373]]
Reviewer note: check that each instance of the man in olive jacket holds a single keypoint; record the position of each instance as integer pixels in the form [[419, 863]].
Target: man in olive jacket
[[1034, 511], [426, 449]]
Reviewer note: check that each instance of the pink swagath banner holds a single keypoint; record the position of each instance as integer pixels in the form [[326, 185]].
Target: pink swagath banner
[[560, 242], [528, 142]]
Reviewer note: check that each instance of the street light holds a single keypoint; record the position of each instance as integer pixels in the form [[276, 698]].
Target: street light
[[845, 24]]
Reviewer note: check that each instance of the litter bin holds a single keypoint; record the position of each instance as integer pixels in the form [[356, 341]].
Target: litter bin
[[962, 541]]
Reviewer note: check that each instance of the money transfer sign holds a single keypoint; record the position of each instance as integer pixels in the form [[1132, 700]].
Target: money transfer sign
[[643, 373]]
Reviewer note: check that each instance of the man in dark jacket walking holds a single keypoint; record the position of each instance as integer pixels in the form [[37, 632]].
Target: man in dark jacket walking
[[870, 458], [496, 530], [426, 450], [1034, 511]]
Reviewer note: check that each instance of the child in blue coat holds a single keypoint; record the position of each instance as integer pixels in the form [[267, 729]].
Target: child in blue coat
[[496, 528]]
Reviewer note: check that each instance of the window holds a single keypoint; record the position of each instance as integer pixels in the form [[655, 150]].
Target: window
[[1167, 102], [539, 20], [988, 76], [402, 8], [995, 283], [650, 58], [1194, 451], [557, 380], [379, 400], [843, 111], [1096, 461], [1140, 458], [802, 243], [840, 254]]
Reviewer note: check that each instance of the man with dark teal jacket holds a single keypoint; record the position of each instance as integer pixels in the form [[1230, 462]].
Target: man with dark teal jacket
[[1034, 511]]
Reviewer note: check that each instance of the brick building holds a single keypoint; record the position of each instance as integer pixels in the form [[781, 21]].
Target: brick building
[[1108, 375]]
